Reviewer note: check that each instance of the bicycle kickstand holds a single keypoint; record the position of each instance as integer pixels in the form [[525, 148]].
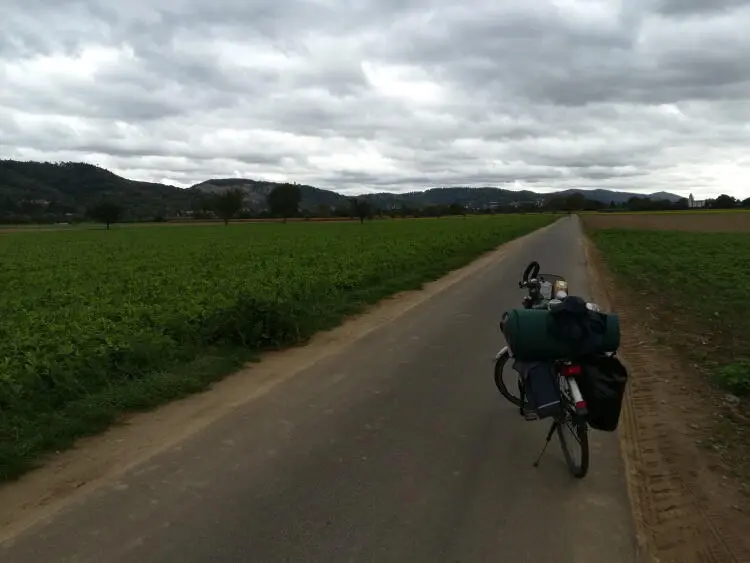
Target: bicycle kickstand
[[546, 443]]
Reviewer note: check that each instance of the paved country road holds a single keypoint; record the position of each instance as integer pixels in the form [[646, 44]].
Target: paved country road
[[395, 448]]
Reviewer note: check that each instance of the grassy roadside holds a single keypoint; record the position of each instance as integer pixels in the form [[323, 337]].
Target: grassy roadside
[[689, 288], [99, 324]]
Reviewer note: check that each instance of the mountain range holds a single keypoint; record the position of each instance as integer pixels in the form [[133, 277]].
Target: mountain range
[[257, 190], [75, 186]]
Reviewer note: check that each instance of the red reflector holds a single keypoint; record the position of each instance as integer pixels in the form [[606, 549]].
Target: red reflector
[[580, 405], [570, 371]]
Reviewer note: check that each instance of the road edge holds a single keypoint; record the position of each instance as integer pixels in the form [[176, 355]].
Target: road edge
[[627, 434]]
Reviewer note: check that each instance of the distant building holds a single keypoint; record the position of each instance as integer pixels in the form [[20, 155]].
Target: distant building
[[694, 203]]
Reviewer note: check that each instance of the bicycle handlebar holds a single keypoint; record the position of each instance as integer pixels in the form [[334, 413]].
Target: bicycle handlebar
[[531, 271], [534, 282]]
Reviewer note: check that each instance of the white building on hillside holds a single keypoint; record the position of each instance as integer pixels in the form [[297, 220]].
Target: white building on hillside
[[692, 202]]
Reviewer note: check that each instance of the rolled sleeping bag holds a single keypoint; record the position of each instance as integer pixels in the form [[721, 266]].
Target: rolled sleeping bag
[[534, 334]]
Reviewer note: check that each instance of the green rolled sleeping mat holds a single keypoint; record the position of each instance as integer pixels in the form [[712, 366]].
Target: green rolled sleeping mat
[[534, 334]]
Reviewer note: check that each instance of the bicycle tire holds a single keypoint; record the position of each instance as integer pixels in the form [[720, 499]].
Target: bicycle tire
[[500, 384], [578, 471]]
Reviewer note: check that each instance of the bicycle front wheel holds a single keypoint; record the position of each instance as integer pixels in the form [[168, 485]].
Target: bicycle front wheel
[[501, 373], [573, 432]]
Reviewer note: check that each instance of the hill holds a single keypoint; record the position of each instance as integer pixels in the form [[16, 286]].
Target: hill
[[43, 191], [607, 196], [256, 191], [31, 189], [470, 197]]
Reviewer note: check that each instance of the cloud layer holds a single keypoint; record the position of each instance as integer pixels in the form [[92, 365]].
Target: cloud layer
[[639, 95]]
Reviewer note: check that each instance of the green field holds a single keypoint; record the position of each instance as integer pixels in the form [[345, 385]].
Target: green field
[[697, 287], [95, 323]]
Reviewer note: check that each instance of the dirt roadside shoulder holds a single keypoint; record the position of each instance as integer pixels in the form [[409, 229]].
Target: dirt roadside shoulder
[[686, 505]]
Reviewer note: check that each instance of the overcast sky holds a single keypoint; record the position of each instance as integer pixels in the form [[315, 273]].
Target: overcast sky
[[638, 95]]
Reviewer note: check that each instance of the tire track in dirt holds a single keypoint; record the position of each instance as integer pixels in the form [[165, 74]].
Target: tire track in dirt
[[683, 509]]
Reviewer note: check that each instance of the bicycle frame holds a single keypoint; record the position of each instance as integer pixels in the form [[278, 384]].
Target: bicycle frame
[[567, 374]]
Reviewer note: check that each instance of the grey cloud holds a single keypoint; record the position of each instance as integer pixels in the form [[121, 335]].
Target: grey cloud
[[637, 97], [552, 58], [697, 7]]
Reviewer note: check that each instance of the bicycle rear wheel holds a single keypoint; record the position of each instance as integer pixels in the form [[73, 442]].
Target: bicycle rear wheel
[[501, 373], [573, 432]]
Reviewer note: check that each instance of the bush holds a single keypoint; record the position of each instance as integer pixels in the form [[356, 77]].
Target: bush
[[734, 377]]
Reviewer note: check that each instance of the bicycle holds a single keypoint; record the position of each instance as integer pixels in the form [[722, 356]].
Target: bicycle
[[572, 410]]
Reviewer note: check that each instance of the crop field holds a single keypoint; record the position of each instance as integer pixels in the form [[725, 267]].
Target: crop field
[[694, 211], [693, 280], [687, 296], [697, 275], [701, 221], [96, 323]]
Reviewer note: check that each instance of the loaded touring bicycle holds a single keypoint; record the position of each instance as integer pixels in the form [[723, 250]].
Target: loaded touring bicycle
[[560, 363]]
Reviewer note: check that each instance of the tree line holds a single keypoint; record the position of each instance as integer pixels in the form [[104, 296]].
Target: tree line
[[283, 202], [578, 202], [721, 202]]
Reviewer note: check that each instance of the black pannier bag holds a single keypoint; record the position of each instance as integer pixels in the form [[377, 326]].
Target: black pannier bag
[[540, 387], [602, 383]]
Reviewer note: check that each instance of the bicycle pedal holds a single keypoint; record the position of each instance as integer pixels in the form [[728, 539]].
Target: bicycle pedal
[[530, 415]]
